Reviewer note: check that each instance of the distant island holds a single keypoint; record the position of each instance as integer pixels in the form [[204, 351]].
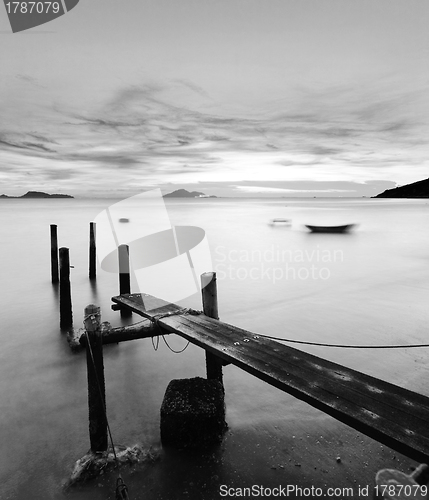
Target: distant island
[[419, 189], [182, 193], [38, 194]]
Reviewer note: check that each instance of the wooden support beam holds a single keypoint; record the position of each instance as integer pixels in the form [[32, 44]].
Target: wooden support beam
[[54, 254], [142, 330], [66, 313], [96, 383]]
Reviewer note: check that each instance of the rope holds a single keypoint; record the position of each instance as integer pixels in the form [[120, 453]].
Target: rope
[[155, 348], [121, 488], [185, 310], [156, 319], [194, 312], [345, 346], [90, 316], [171, 349], [294, 341]]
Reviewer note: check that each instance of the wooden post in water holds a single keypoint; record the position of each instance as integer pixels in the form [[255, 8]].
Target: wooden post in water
[[66, 313], [96, 383], [124, 269], [54, 254], [210, 308], [124, 274], [92, 252]]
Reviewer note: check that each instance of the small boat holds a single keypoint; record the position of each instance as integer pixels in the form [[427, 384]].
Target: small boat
[[281, 221], [124, 219], [330, 229]]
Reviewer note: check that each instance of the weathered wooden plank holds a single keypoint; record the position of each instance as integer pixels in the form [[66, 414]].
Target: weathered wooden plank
[[146, 305], [390, 414], [302, 361], [341, 381]]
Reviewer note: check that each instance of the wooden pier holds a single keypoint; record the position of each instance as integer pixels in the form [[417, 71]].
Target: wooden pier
[[392, 415]]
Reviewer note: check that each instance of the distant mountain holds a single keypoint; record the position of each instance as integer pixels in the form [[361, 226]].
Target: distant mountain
[[418, 189], [182, 193], [38, 194]]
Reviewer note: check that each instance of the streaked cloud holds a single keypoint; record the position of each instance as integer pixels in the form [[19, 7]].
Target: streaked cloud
[[280, 191], [155, 134]]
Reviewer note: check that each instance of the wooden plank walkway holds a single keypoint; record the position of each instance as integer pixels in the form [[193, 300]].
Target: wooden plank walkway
[[394, 416]]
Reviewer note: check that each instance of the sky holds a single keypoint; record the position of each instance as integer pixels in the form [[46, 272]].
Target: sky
[[226, 97]]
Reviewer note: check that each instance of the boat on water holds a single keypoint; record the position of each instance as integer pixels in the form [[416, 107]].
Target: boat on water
[[287, 222], [330, 229]]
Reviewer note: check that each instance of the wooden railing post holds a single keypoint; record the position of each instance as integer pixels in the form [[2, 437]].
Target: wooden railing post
[[210, 309], [96, 383], [54, 254], [92, 252], [66, 313]]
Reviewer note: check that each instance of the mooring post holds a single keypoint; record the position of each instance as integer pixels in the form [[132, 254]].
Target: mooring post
[[124, 269], [96, 383], [124, 274], [392, 483], [66, 314], [92, 252], [54, 254], [210, 309]]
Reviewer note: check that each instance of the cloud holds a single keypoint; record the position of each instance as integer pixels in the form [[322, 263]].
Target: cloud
[[11, 144], [176, 132], [60, 174], [22, 142], [29, 80], [263, 189], [288, 189], [33, 145]]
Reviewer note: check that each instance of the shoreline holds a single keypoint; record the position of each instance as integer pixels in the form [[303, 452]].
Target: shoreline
[[326, 455]]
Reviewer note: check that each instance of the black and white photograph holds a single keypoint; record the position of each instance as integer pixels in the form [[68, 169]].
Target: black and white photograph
[[214, 260]]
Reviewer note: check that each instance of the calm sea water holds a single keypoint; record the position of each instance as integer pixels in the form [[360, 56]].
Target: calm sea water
[[367, 287]]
